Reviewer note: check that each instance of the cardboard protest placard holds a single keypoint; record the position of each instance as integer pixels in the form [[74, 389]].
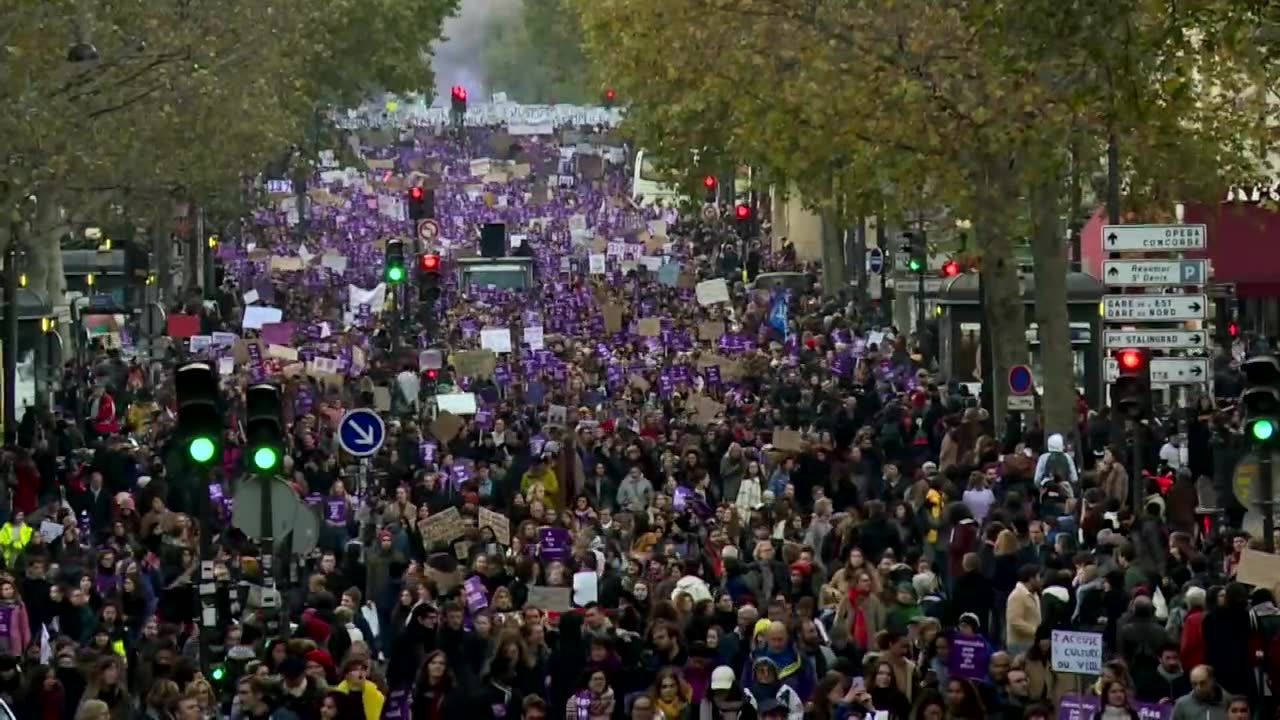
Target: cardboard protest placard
[[649, 327], [552, 599], [638, 382], [499, 523], [325, 198], [710, 292], [281, 352], [599, 245], [710, 330], [380, 164], [521, 171], [444, 527], [382, 398], [478, 364], [706, 410], [1259, 569], [287, 264], [446, 427], [730, 369], [612, 318], [788, 441], [590, 167]]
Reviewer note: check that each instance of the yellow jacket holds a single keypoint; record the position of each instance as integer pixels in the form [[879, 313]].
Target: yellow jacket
[[550, 483], [11, 544], [370, 696]]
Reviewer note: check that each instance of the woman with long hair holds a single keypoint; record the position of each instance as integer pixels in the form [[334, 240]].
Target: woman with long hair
[[670, 694], [963, 701], [1115, 702], [44, 697], [885, 694], [436, 695], [106, 682], [511, 645]]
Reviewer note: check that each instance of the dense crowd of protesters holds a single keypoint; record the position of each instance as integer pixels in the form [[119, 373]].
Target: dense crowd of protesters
[[789, 518]]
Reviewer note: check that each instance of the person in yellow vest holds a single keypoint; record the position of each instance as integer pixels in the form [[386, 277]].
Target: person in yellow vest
[[355, 682], [14, 537]]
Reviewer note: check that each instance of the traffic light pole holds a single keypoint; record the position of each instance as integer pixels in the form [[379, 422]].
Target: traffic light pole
[[11, 335], [1267, 503], [1136, 484]]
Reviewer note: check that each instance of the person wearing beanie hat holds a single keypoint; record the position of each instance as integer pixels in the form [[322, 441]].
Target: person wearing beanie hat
[[319, 665]]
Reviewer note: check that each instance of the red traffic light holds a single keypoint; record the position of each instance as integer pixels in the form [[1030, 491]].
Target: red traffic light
[[417, 193], [610, 95], [459, 93], [1129, 360], [742, 212], [709, 182], [429, 263], [433, 374], [1233, 330], [950, 268]]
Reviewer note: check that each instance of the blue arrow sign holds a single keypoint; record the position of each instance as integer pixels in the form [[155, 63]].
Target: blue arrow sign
[[875, 260], [361, 432]]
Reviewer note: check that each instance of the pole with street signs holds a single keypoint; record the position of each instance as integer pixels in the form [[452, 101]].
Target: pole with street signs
[[1156, 311]]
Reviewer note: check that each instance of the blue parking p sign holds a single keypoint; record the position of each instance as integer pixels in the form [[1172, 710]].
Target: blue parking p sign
[[361, 432]]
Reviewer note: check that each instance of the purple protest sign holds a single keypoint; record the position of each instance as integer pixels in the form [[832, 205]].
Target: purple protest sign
[[278, 333], [335, 510], [477, 596], [460, 473], [1081, 707], [427, 451], [553, 543], [968, 657], [396, 706]]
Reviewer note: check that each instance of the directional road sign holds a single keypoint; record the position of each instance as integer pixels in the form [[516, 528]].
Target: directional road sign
[[1166, 339], [1180, 371], [1157, 308], [1154, 238], [361, 432], [875, 260], [1155, 272]]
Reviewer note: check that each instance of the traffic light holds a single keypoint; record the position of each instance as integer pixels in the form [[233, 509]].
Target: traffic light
[[263, 429], [458, 100], [200, 423], [709, 182], [917, 252], [428, 278], [431, 380], [422, 203], [1131, 392], [951, 268], [744, 219], [394, 270], [609, 97], [1233, 330], [1261, 398]]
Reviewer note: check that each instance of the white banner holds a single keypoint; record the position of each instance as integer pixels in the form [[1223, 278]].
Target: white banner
[[525, 118]]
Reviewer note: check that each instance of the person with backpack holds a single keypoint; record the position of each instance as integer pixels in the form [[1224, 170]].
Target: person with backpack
[[1056, 464]]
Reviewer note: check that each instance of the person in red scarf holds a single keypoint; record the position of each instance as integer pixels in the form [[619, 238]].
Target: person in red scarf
[[860, 616], [104, 419]]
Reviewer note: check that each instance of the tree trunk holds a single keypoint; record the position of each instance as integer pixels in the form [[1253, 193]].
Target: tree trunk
[[1050, 253], [44, 251], [833, 263], [161, 236], [1004, 313]]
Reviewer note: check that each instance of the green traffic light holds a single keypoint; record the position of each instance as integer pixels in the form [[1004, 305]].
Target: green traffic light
[[218, 673], [395, 274], [201, 449], [266, 458], [914, 265], [1262, 430]]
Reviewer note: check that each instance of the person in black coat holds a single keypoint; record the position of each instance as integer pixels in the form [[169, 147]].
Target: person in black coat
[[1226, 652], [971, 594]]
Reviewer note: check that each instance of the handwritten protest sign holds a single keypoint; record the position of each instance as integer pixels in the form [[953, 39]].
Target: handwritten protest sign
[[1077, 652], [444, 527], [499, 523]]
